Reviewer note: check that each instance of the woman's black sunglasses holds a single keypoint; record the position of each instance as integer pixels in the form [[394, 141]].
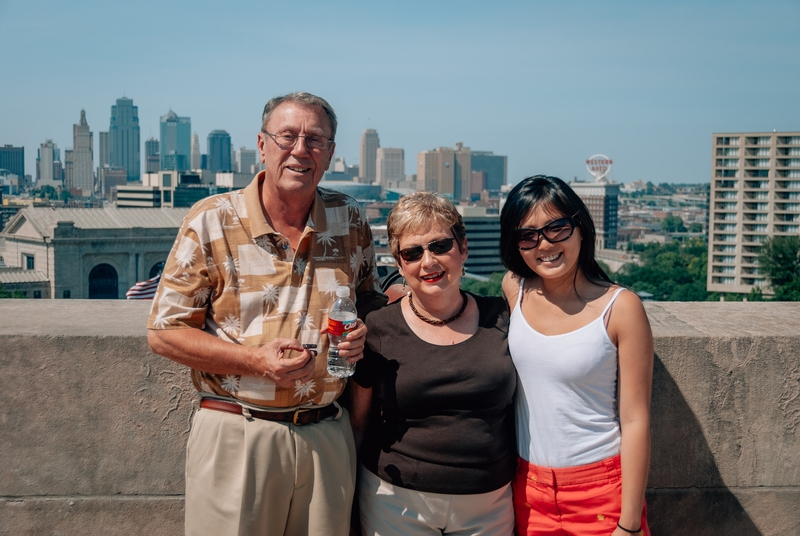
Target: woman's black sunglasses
[[556, 231], [437, 247]]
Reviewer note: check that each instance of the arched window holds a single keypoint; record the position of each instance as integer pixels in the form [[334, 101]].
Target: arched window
[[156, 269], [103, 283]]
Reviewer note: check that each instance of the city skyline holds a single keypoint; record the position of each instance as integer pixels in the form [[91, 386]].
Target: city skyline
[[548, 86]]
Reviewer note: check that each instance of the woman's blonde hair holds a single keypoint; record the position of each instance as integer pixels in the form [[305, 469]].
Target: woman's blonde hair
[[419, 212]]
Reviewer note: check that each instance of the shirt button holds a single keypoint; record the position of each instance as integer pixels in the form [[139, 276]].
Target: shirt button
[[600, 517], [527, 505]]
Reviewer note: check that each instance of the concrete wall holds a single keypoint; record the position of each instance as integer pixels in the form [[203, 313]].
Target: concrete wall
[[94, 427]]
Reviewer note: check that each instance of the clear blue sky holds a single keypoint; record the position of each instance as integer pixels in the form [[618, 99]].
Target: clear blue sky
[[546, 83]]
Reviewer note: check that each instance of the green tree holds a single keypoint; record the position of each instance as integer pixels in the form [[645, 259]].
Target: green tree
[[779, 261], [65, 195], [696, 227], [673, 224], [670, 272], [4, 294], [493, 287]]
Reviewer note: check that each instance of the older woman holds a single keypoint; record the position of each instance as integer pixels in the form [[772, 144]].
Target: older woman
[[433, 396]]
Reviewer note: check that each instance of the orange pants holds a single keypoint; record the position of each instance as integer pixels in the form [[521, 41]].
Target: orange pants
[[584, 500]]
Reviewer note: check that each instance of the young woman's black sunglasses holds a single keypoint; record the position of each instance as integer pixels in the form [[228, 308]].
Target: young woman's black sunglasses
[[556, 231], [437, 247]]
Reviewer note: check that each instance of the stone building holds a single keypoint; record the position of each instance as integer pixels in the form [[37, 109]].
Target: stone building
[[90, 253]]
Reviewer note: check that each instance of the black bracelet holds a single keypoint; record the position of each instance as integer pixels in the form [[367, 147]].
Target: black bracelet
[[629, 531]]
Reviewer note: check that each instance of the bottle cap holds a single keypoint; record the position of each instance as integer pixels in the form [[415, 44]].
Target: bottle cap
[[342, 291]]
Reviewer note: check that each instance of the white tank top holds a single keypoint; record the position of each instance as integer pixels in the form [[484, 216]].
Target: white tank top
[[566, 400]]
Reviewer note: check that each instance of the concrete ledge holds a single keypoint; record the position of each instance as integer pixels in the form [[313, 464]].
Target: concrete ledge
[[94, 426]]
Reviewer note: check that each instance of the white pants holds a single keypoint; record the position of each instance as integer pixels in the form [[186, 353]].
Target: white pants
[[388, 510], [263, 478]]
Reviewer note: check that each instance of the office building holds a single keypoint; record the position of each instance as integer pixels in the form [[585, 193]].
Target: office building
[[13, 159], [368, 156], [124, 145], [755, 195], [79, 166], [246, 160], [48, 166], [196, 156], [390, 167], [103, 160], [602, 200], [483, 237], [446, 171], [176, 134], [496, 169], [219, 151], [152, 156]]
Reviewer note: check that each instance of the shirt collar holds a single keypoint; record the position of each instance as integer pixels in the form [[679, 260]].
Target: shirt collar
[[317, 219]]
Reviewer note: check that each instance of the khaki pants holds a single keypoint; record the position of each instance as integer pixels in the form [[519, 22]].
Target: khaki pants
[[264, 478]]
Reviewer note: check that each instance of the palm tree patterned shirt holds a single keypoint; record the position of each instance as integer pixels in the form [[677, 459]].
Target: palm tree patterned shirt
[[230, 274]]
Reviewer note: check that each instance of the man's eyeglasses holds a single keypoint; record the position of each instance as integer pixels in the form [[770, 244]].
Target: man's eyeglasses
[[288, 140], [437, 247], [555, 231]]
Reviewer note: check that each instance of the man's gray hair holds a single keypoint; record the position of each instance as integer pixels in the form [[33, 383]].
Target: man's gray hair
[[304, 99]]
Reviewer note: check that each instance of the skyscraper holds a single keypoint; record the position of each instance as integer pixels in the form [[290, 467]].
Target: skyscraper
[[496, 168], [103, 160], [48, 173], [219, 151], [176, 134], [81, 165], [196, 155], [246, 160], [151, 156], [369, 155], [13, 159], [390, 167], [445, 170], [124, 146]]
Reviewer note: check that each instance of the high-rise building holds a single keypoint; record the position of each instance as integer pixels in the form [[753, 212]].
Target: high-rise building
[[246, 160], [369, 155], [496, 168], [102, 142], [445, 170], [390, 167], [79, 164], [124, 145], [196, 156], [152, 157], [48, 166], [219, 151], [602, 200], [13, 159], [176, 133], [755, 195]]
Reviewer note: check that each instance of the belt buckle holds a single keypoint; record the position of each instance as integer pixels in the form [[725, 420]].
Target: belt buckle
[[297, 413]]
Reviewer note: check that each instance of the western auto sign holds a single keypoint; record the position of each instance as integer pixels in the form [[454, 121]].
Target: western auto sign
[[599, 166]]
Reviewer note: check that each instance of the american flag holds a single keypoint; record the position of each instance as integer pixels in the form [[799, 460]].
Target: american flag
[[144, 290]]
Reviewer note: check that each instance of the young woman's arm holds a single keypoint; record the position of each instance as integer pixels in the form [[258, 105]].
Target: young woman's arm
[[629, 329], [510, 287]]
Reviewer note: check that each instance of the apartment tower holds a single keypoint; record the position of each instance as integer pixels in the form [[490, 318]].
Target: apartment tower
[[390, 167], [446, 171], [755, 195]]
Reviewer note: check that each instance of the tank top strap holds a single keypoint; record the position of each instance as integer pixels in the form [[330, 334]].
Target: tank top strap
[[521, 288], [611, 301]]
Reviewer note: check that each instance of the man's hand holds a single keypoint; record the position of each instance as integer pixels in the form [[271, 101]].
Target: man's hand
[[281, 365], [353, 347]]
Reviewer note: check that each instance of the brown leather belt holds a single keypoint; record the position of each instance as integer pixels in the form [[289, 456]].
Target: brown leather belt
[[299, 416]]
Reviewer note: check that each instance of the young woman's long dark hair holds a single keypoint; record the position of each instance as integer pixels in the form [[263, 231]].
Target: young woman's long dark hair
[[554, 196]]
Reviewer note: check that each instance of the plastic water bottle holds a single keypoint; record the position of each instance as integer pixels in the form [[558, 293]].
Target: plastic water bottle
[[341, 321]]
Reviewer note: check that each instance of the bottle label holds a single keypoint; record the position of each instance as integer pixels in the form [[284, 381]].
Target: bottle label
[[339, 328]]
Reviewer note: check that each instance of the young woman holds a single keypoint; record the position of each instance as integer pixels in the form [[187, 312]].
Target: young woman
[[584, 356]]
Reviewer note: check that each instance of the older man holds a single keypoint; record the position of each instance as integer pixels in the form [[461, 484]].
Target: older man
[[246, 286]]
